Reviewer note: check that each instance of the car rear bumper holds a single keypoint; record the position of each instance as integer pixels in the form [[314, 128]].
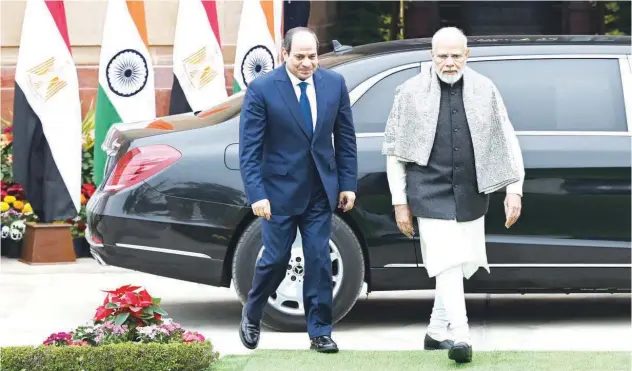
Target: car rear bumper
[[152, 233], [205, 271]]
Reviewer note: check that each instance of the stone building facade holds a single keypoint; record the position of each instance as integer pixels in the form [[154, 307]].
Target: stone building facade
[[329, 19]]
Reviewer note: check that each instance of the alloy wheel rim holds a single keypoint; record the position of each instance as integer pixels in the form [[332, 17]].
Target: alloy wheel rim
[[288, 298]]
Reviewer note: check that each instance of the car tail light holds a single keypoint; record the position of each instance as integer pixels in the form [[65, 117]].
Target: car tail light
[[139, 164]]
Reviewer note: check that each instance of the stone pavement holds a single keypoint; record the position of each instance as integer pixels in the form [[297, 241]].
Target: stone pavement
[[39, 300]]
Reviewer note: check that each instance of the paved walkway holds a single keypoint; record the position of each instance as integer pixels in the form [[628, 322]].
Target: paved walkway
[[39, 300]]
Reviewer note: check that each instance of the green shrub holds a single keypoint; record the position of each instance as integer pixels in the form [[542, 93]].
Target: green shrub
[[114, 357]]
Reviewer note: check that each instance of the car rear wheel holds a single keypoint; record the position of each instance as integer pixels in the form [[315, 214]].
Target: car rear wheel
[[284, 310]]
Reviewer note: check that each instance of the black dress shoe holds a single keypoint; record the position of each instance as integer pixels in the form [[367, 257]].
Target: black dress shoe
[[248, 331], [432, 344], [461, 353], [324, 344]]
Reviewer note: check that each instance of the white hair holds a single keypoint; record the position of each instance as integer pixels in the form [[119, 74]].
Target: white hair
[[449, 33]]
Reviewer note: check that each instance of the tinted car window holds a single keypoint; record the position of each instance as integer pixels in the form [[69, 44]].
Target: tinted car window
[[559, 94], [371, 111]]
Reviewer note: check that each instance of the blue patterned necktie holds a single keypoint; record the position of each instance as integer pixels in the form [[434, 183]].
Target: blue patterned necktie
[[306, 108]]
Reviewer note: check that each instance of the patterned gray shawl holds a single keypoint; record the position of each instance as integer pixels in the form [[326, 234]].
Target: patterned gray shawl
[[412, 123]]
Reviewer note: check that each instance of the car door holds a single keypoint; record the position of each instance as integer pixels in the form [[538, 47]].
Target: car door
[[570, 116], [371, 104]]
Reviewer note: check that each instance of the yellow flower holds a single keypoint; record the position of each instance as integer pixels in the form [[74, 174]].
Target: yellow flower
[[27, 208], [4, 206], [18, 205], [9, 199]]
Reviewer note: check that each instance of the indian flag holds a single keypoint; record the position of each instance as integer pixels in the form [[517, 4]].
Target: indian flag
[[47, 114], [126, 91], [258, 41]]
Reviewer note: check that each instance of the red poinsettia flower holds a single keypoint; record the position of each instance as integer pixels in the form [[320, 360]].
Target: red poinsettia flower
[[122, 290], [128, 305], [102, 313]]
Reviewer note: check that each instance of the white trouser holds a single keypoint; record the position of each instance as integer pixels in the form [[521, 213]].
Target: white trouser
[[449, 307]]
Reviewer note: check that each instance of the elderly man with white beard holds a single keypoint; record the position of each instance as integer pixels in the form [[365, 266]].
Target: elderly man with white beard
[[449, 144]]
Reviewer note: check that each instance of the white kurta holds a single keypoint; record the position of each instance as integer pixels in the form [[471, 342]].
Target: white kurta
[[446, 243]]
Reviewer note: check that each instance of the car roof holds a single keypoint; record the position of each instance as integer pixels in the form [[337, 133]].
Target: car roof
[[493, 44]]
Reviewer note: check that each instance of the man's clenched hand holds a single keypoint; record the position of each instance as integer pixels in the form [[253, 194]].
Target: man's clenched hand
[[404, 219], [513, 207], [262, 208], [346, 200]]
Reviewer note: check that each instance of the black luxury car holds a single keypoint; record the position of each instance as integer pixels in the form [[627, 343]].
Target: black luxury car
[[172, 201]]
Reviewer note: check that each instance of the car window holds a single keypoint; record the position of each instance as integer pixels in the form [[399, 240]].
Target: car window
[[559, 94], [371, 111]]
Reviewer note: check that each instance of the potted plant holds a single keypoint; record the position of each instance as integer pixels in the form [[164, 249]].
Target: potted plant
[[14, 210], [13, 217]]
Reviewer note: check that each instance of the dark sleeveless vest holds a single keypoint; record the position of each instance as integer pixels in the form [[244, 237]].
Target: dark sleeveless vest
[[446, 188]]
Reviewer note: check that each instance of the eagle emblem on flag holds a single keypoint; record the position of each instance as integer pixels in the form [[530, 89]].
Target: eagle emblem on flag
[[46, 79], [198, 69]]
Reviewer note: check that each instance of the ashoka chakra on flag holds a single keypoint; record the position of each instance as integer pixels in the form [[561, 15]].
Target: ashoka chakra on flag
[[127, 73], [258, 61]]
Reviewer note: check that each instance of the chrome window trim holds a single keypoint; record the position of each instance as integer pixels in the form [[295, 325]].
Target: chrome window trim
[[626, 81], [625, 68], [364, 86], [545, 56]]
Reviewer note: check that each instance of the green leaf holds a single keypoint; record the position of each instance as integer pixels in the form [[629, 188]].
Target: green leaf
[[111, 306], [157, 309], [121, 318], [155, 300], [160, 311]]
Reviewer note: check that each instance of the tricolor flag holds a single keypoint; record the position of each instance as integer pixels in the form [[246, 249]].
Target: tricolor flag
[[126, 91], [47, 114], [198, 63], [258, 41]]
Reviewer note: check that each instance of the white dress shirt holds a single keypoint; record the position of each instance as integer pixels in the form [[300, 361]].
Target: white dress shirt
[[311, 93]]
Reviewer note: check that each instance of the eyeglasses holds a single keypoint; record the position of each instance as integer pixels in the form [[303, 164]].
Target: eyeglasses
[[455, 57]]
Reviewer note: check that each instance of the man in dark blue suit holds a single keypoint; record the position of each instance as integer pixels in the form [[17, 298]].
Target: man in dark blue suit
[[294, 179]]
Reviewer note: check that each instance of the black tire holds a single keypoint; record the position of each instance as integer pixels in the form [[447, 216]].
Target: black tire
[[351, 256]]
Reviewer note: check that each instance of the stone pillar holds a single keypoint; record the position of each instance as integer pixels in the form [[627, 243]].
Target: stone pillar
[[322, 19], [577, 18], [421, 19]]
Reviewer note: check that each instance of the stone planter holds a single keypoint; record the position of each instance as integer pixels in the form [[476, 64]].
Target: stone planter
[[47, 243]]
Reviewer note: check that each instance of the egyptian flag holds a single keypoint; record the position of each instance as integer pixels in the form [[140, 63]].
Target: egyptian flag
[[47, 148], [198, 63], [126, 91]]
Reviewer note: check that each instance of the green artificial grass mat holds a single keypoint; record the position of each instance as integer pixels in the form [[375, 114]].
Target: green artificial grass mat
[[286, 360]]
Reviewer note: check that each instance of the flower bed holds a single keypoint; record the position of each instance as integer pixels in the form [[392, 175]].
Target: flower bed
[[16, 210], [129, 331]]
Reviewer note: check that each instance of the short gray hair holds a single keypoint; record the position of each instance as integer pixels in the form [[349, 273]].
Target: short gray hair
[[449, 33], [287, 40]]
